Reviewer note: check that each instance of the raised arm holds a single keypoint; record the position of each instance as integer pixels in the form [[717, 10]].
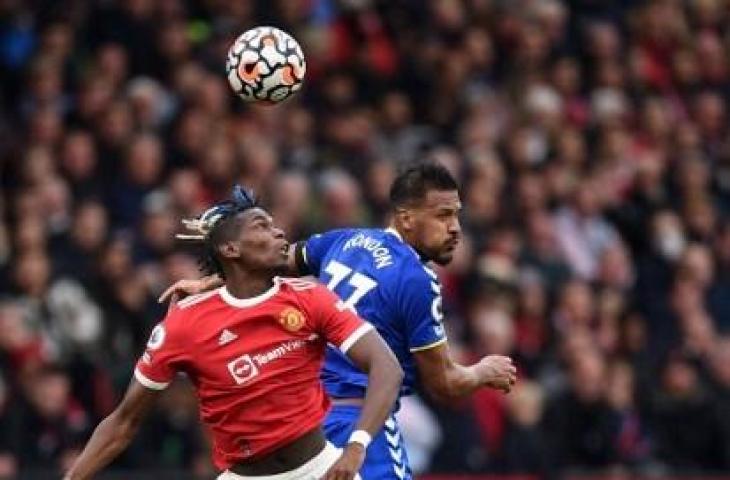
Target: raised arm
[[114, 433], [445, 379]]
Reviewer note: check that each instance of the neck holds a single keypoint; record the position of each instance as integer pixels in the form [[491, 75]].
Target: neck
[[393, 226], [245, 284], [409, 241]]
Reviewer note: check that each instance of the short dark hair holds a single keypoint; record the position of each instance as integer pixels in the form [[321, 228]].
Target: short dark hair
[[217, 225], [223, 231], [413, 183]]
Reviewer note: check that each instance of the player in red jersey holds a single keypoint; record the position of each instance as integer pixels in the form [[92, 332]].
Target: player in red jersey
[[253, 348]]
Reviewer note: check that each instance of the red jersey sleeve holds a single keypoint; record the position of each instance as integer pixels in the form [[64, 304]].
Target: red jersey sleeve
[[338, 324], [163, 355]]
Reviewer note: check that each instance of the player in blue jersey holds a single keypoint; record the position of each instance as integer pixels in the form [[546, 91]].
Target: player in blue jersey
[[384, 275]]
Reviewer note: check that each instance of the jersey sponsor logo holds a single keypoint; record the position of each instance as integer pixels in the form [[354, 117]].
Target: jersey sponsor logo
[[291, 319], [246, 367], [243, 369], [278, 352], [227, 336], [381, 255], [157, 338]]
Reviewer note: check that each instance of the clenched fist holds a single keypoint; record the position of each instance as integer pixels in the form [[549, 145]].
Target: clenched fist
[[497, 371]]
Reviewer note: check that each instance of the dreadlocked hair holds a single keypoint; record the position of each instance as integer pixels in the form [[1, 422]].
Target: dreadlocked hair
[[211, 228]]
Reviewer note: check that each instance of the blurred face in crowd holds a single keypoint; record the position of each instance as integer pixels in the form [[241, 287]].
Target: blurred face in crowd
[[49, 393], [32, 272], [38, 166], [290, 196], [30, 235], [144, 160], [178, 266], [158, 230], [620, 386], [586, 199], [525, 403], [94, 96], [112, 61], [78, 156], [116, 124], [697, 265], [680, 378], [615, 268], [15, 333], [116, 260], [89, 228], [494, 330], [668, 236], [46, 127], [432, 226], [587, 377], [700, 216], [185, 188], [576, 302]]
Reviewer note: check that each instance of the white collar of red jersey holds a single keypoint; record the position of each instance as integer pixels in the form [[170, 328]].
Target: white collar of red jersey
[[251, 301]]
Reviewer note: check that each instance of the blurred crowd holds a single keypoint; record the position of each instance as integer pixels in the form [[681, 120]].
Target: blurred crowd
[[591, 141]]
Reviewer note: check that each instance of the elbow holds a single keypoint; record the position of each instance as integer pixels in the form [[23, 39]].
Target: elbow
[[444, 392], [398, 374], [393, 374]]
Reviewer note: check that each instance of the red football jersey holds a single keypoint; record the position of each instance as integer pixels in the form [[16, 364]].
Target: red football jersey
[[255, 362]]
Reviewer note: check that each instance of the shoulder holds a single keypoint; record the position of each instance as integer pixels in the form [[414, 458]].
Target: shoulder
[[296, 284], [418, 278], [331, 235], [411, 269], [186, 311], [194, 302]]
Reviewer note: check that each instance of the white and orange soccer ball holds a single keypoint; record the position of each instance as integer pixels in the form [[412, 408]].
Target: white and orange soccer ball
[[265, 65]]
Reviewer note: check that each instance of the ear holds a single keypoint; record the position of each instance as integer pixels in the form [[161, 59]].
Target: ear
[[229, 250], [405, 219]]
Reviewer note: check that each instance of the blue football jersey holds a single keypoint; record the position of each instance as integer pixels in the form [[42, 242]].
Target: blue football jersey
[[385, 281]]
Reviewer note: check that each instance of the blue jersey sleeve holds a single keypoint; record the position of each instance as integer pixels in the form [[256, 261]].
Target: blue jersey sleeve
[[314, 250], [421, 310]]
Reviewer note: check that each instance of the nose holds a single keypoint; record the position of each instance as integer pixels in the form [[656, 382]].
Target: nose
[[278, 232], [455, 227]]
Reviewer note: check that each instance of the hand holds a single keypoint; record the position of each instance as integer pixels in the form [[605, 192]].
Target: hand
[[497, 371], [348, 465], [190, 287]]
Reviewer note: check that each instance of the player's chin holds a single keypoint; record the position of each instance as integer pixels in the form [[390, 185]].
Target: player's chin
[[444, 257]]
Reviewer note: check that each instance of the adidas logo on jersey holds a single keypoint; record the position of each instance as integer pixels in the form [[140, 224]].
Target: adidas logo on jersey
[[226, 337]]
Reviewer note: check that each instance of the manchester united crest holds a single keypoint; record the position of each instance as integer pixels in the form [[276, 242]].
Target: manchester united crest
[[291, 319]]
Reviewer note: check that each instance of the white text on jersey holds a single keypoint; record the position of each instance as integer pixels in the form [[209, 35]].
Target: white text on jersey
[[381, 255]]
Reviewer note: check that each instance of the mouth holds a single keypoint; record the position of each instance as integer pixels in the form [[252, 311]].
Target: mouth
[[285, 248], [451, 245]]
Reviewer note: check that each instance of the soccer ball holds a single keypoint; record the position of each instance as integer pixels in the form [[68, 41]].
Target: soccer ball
[[265, 65]]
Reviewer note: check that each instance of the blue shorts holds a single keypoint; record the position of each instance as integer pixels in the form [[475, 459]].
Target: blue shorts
[[386, 456]]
